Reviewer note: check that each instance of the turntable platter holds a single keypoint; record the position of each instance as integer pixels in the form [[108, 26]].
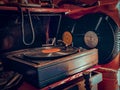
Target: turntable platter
[[49, 53]]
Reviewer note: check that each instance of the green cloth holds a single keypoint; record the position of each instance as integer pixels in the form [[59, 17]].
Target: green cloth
[[118, 5]]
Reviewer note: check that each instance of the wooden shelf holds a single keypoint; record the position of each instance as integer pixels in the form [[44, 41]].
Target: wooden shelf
[[34, 9]]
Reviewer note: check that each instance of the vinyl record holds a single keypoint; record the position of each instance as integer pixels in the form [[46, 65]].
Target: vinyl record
[[49, 53], [95, 30]]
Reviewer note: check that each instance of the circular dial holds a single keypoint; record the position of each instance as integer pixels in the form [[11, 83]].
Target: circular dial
[[91, 39], [67, 38]]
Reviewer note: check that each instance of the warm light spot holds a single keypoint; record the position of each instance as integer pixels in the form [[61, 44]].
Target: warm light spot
[[51, 50]]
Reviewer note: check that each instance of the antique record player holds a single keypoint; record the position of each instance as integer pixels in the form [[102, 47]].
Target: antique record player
[[84, 38], [46, 65], [43, 65]]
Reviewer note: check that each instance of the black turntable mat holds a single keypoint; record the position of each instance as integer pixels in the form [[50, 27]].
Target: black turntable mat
[[49, 53], [94, 30]]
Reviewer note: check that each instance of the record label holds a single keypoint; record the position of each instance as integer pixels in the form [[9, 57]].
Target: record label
[[67, 38], [51, 50], [91, 39]]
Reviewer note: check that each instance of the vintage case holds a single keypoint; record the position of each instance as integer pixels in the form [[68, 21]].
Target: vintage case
[[44, 72]]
